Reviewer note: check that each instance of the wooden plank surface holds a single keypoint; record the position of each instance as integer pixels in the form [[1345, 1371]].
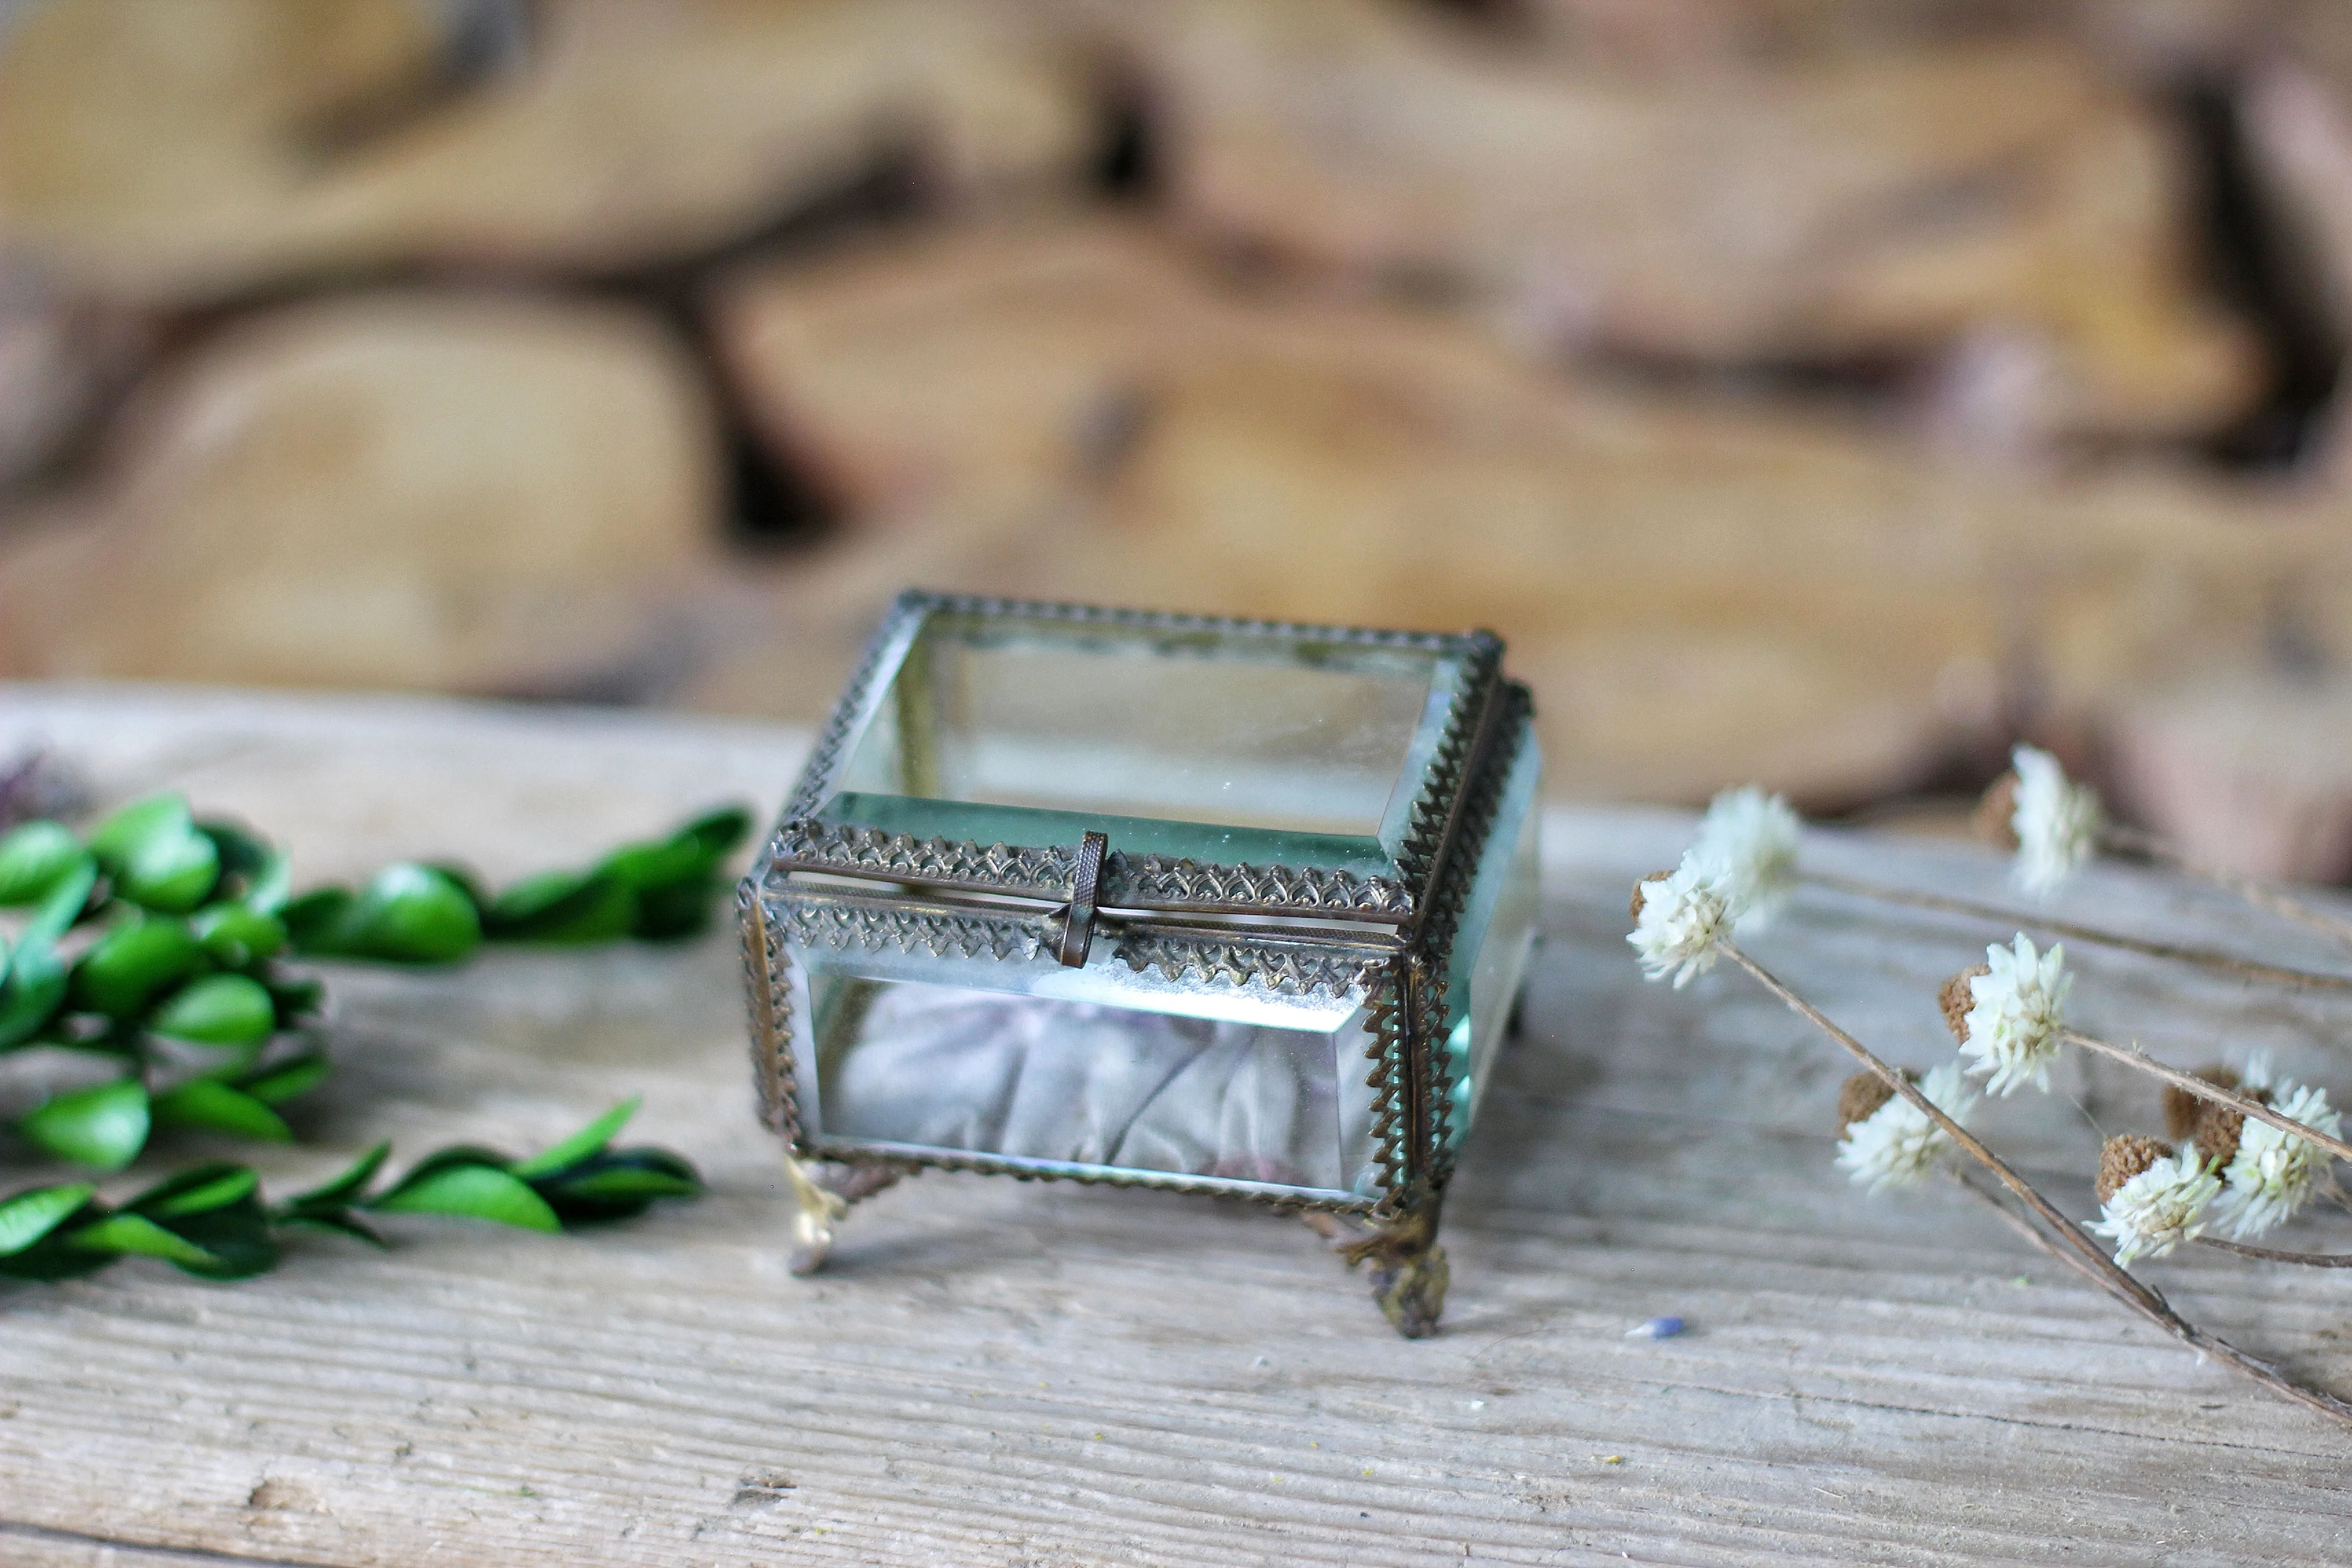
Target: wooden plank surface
[[1001, 1374]]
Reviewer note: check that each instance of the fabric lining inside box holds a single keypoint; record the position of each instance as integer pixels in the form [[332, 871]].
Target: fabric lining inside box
[[1043, 1079]]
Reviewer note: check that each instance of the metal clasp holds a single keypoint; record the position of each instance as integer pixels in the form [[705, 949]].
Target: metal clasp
[[1086, 887]]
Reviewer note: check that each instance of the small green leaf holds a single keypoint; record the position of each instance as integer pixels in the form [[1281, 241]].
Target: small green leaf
[[157, 856], [51, 1257], [33, 857], [237, 937], [678, 911], [346, 1188], [244, 855], [211, 1104], [268, 889], [65, 902], [131, 1233], [716, 832], [465, 881], [470, 1191], [198, 1190], [282, 1081], [104, 1127], [25, 1217], [625, 1182], [218, 1010], [135, 962], [31, 994], [567, 907], [217, 1209], [658, 865], [450, 1158], [581, 1144], [617, 1184], [409, 914], [313, 919], [122, 834], [297, 998]]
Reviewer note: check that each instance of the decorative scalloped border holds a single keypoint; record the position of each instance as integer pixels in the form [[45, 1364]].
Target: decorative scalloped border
[[842, 926], [1442, 916], [767, 983], [1390, 1054], [1301, 972]]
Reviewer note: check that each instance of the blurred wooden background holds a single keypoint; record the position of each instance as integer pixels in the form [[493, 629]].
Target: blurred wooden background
[[1820, 392]]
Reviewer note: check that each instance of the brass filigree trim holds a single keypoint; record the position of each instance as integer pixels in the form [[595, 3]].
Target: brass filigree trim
[[844, 924], [1442, 918], [767, 978], [1104, 1176], [1302, 972], [1391, 1054], [1043, 872], [1153, 882]]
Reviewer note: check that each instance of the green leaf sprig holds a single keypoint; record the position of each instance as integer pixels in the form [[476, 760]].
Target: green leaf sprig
[[212, 1222], [180, 931]]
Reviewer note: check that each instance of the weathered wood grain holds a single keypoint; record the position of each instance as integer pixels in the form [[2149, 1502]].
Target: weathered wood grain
[[994, 1373]]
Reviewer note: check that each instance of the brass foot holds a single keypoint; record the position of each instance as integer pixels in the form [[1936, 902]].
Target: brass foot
[[1413, 1293], [821, 1197], [1409, 1268]]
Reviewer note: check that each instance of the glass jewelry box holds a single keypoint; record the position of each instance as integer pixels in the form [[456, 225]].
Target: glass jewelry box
[[1225, 907]]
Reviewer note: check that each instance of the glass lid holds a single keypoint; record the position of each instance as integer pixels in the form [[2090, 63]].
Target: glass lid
[[1226, 742]]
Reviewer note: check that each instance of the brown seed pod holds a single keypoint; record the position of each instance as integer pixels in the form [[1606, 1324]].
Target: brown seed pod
[[2183, 1111], [1859, 1096], [2214, 1128], [2125, 1155], [1638, 899], [1955, 1000], [1994, 813]]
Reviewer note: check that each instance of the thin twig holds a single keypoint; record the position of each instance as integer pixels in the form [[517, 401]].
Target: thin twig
[[2259, 894], [2206, 1090], [2079, 1252], [2273, 1255], [2205, 957], [2173, 1323]]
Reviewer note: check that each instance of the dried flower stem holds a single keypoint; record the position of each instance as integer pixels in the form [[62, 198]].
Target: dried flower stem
[[2259, 894], [2143, 1296], [2273, 1255], [2161, 1314], [2079, 1252], [2205, 1089], [2205, 957]]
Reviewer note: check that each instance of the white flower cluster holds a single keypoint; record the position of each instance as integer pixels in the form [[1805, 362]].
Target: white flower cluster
[[1684, 918], [1738, 872], [2057, 822], [1897, 1144], [2015, 1014], [1750, 838], [2273, 1170], [2160, 1208]]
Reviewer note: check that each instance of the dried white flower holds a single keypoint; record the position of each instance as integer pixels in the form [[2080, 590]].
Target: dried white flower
[[1684, 917], [2160, 1208], [1750, 839], [2015, 1014], [2056, 822], [2273, 1170], [1896, 1143]]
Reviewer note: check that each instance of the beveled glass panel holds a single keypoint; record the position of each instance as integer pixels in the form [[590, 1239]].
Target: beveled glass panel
[[1496, 939], [1065, 1086]]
